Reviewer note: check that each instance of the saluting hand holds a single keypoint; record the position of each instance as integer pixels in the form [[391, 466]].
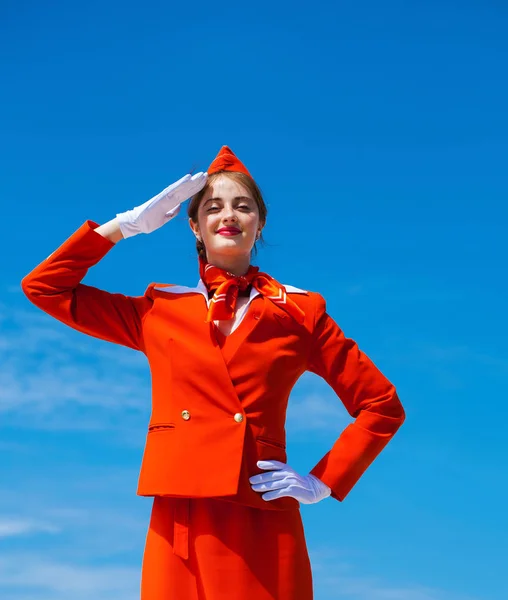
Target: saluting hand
[[160, 209], [282, 480]]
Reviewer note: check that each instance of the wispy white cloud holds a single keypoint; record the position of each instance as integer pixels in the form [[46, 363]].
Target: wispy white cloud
[[29, 576], [314, 408], [315, 411], [99, 527], [32, 577], [49, 372], [337, 579], [13, 527], [92, 553]]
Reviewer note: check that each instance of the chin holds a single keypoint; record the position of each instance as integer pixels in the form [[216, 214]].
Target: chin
[[221, 243], [230, 248]]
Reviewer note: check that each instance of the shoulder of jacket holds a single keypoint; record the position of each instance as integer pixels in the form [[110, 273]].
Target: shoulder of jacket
[[310, 301], [291, 289], [314, 302], [314, 296], [170, 288]]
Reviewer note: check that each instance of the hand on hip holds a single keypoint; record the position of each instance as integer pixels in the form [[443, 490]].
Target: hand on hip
[[282, 480]]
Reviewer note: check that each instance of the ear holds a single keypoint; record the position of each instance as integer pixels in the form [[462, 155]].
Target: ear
[[194, 227]]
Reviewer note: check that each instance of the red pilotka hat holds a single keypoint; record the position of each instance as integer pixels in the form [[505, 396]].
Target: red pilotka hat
[[227, 161]]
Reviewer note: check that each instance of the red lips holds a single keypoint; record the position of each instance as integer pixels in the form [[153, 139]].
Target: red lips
[[229, 230]]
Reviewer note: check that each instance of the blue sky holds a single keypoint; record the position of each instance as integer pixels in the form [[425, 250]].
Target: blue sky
[[379, 136]]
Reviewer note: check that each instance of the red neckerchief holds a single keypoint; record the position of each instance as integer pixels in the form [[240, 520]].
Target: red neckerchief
[[227, 286]]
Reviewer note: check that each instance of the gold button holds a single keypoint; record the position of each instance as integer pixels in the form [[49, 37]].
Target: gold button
[[185, 415], [238, 417]]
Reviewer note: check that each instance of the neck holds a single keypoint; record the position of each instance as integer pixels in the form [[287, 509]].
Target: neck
[[237, 265]]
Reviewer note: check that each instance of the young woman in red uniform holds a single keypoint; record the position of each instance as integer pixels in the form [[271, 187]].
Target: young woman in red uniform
[[224, 357]]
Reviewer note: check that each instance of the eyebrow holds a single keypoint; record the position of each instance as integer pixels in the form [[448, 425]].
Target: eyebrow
[[218, 199]]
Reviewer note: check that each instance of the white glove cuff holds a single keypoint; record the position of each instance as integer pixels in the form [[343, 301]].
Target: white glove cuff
[[322, 490], [128, 220], [127, 223]]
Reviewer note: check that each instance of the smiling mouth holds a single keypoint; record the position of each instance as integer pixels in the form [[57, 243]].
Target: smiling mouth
[[229, 232]]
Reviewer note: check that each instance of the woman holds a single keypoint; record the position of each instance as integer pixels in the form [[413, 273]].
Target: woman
[[224, 357]]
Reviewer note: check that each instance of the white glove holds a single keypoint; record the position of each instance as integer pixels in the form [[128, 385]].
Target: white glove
[[282, 480], [161, 208]]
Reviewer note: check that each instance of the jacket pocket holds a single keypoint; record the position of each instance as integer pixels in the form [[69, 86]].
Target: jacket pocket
[[160, 427], [270, 442]]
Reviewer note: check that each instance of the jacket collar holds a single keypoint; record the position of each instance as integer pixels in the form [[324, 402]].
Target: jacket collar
[[201, 289]]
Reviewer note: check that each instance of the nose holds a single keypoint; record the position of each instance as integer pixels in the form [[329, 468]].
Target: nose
[[229, 215]]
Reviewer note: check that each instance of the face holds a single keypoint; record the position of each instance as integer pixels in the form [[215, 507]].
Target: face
[[227, 205]]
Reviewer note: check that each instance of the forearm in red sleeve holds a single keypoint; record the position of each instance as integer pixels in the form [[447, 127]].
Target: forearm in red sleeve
[[368, 397], [55, 287]]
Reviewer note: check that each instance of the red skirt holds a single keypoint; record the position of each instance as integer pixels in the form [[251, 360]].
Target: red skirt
[[208, 549]]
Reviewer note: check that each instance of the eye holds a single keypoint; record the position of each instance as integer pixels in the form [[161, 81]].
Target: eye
[[212, 208]]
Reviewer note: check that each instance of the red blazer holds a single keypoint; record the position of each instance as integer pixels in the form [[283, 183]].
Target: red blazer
[[216, 412]]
